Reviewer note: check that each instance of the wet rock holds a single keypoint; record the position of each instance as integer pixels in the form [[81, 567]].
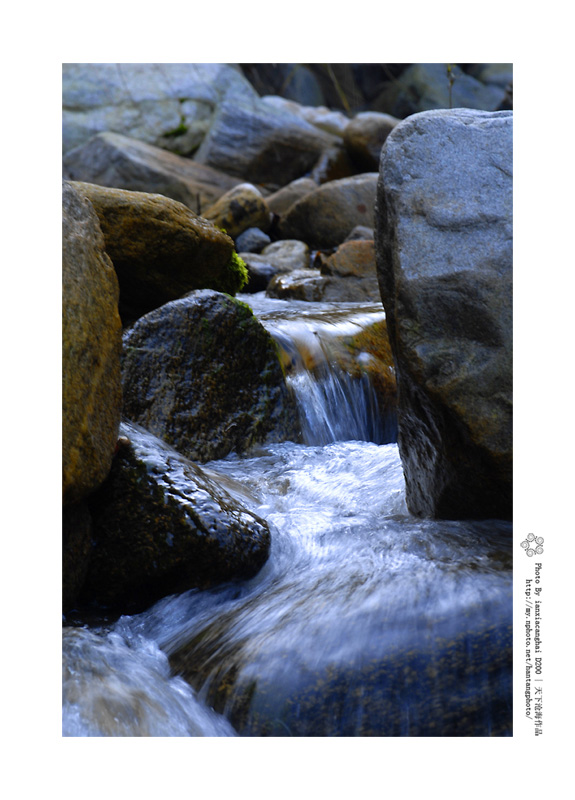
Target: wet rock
[[259, 143], [409, 692], [204, 375], [426, 674], [279, 202], [241, 208], [110, 159], [252, 240], [444, 253], [301, 284], [167, 105], [161, 526], [323, 218], [91, 348], [76, 548], [277, 258], [311, 285], [364, 136], [369, 353], [160, 249]]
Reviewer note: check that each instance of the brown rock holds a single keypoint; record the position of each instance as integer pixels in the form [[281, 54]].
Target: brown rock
[[279, 202], [323, 218], [161, 250], [365, 135], [91, 348], [355, 258], [241, 208]]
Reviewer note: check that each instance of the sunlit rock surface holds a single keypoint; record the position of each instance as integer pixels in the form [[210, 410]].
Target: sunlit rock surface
[[91, 347]]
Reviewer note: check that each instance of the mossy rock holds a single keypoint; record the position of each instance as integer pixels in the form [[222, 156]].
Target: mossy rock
[[161, 249], [204, 375]]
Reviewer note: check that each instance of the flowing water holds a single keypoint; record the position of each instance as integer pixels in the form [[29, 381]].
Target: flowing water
[[365, 621]]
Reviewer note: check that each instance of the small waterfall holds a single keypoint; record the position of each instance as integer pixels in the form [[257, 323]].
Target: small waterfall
[[343, 391], [364, 621]]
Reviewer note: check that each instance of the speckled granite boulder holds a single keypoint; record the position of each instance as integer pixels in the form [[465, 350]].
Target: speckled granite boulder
[[444, 245]]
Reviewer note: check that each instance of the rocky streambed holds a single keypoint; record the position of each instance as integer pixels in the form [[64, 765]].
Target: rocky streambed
[[287, 413]]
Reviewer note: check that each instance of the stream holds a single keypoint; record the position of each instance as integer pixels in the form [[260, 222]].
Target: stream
[[365, 620]]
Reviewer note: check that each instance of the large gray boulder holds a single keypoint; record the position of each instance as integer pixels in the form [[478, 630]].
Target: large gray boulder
[[111, 159], [444, 257], [167, 105]]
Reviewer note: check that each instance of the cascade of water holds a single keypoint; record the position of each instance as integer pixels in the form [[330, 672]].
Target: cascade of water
[[364, 621], [335, 391]]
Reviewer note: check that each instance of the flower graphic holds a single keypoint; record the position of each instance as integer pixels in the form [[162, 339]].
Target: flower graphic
[[533, 544]]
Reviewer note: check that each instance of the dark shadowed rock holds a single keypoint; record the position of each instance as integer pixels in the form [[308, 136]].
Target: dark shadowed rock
[[313, 286], [161, 525], [424, 87], [110, 159], [91, 348], [204, 375], [76, 547], [364, 136], [252, 240], [160, 248], [444, 252]]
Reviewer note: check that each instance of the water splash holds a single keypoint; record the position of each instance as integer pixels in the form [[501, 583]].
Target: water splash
[[335, 391], [117, 686]]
